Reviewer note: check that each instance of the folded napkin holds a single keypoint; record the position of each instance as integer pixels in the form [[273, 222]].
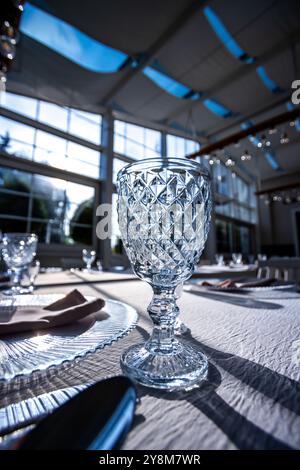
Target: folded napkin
[[69, 309], [229, 283]]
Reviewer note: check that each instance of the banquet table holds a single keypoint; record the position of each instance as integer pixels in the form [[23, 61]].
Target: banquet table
[[251, 398], [209, 271]]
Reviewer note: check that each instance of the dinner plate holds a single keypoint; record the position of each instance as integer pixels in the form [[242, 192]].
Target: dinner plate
[[24, 353]]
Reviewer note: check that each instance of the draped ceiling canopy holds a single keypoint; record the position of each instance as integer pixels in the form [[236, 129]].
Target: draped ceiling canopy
[[203, 67]]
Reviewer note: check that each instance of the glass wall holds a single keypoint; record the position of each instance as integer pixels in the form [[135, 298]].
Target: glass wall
[[58, 211], [180, 147], [233, 237], [237, 198], [135, 141], [76, 122], [234, 199]]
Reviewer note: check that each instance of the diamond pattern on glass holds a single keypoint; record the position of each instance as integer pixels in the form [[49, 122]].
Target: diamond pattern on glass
[[164, 218]]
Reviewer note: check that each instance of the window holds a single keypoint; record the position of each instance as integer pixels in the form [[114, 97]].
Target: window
[[16, 139], [233, 237], [180, 147], [225, 36], [222, 180], [116, 242], [167, 83], [117, 166], [50, 150], [83, 160], [53, 115], [85, 125], [58, 211], [21, 104], [234, 196], [217, 108], [69, 41], [44, 147], [135, 141]]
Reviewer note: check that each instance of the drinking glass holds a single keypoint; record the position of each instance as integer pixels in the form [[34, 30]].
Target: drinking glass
[[99, 265], [18, 250], [219, 259], [237, 258], [164, 212], [88, 257], [32, 272]]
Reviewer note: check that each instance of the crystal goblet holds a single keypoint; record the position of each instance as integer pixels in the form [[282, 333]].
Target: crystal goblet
[[164, 211], [18, 250]]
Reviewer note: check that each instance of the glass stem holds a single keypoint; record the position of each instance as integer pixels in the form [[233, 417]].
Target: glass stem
[[16, 277], [163, 311]]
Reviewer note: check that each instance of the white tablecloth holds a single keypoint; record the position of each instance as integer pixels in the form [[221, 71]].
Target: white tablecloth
[[252, 397]]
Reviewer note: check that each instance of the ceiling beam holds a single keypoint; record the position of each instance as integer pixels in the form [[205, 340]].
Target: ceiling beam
[[253, 130], [242, 72], [149, 55]]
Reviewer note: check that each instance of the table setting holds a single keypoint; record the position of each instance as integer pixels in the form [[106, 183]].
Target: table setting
[[228, 380]]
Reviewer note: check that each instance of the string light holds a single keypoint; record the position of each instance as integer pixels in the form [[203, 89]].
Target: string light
[[265, 142], [230, 162], [273, 131], [284, 139], [246, 156]]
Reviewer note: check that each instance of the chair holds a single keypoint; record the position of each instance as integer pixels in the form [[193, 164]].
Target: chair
[[282, 269]]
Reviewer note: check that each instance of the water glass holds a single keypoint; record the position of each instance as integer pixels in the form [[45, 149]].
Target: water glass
[[99, 265], [219, 259], [31, 273], [18, 250], [164, 211], [88, 257], [237, 258]]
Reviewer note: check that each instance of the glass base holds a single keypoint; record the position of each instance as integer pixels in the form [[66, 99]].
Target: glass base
[[180, 328], [18, 290], [182, 368]]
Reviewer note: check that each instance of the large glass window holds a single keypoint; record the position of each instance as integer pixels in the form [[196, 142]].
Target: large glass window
[[21, 104], [116, 241], [43, 147], [233, 237], [82, 160], [234, 196], [50, 150], [135, 141], [180, 147], [53, 115], [117, 166], [58, 211], [16, 138], [85, 125], [73, 121]]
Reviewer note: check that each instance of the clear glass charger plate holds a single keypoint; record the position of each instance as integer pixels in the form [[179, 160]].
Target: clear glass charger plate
[[24, 353], [250, 289]]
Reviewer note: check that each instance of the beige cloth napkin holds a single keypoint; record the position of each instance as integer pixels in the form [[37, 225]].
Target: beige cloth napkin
[[230, 283], [69, 309]]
